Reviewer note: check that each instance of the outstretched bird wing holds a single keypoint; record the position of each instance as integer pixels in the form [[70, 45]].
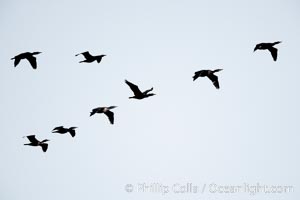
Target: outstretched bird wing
[[32, 139], [135, 89], [148, 90], [32, 61], [110, 116], [273, 51], [214, 79], [72, 132], [44, 146]]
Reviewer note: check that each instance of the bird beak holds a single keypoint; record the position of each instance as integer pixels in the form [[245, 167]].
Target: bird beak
[[255, 49]]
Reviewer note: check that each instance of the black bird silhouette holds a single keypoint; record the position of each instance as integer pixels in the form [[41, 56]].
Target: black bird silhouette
[[268, 46], [27, 55], [137, 92], [89, 58], [210, 75], [106, 111], [62, 130], [35, 142]]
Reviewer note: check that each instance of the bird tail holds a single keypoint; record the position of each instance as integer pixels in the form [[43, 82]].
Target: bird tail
[[111, 107], [276, 43], [217, 70]]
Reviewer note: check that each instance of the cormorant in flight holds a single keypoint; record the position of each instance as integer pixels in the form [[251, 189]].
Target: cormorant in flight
[[106, 111], [269, 46], [137, 92], [209, 74], [35, 142], [62, 130], [89, 58], [27, 55]]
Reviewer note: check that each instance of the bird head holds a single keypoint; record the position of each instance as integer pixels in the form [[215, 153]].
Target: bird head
[[102, 55], [46, 140], [72, 128], [92, 113], [36, 53], [56, 129], [258, 46]]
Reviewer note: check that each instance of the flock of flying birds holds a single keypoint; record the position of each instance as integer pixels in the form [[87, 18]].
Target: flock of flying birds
[[138, 94]]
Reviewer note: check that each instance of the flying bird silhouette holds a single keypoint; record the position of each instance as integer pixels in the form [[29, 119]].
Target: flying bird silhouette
[[27, 55], [137, 92], [62, 130], [35, 142], [89, 58], [270, 47], [106, 111], [210, 75]]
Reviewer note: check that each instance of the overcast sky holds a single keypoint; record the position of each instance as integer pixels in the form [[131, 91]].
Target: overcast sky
[[245, 133]]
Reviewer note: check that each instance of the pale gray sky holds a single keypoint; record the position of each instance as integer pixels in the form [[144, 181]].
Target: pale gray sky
[[246, 132]]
